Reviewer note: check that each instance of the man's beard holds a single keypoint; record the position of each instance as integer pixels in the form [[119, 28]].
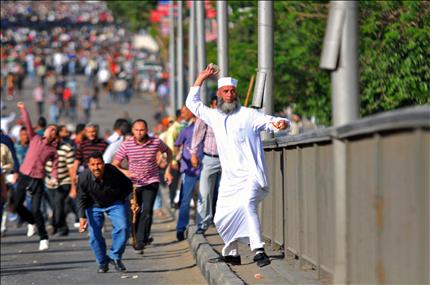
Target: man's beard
[[228, 108]]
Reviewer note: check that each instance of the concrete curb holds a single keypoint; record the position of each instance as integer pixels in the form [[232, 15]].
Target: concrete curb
[[215, 273]]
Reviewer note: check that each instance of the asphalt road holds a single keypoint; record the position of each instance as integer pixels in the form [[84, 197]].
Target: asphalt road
[[69, 260]]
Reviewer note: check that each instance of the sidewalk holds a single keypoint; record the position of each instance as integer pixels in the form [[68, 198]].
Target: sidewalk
[[280, 271]]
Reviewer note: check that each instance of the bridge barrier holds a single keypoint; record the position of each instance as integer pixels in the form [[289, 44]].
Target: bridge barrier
[[387, 200]]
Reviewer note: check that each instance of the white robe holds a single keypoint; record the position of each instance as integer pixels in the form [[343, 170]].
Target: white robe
[[243, 181]]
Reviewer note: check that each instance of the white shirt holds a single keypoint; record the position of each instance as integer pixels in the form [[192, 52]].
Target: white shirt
[[5, 121], [113, 137], [238, 140], [111, 150]]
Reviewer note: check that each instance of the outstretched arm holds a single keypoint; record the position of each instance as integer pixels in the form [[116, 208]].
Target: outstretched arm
[[263, 122]]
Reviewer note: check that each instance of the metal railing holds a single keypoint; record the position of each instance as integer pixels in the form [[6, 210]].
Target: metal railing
[[387, 198]]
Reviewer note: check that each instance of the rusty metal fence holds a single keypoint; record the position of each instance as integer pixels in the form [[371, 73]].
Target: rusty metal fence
[[387, 200]]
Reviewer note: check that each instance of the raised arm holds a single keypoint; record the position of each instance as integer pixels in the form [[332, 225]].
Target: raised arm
[[26, 119], [193, 102]]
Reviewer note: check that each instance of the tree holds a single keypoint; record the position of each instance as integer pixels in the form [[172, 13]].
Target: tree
[[135, 14], [394, 56]]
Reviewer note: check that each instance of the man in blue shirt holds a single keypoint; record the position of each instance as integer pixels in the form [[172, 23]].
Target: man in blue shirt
[[190, 175]]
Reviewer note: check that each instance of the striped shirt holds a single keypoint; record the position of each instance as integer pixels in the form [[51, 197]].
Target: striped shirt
[[87, 147], [66, 157], [203, 134], [142, 159]]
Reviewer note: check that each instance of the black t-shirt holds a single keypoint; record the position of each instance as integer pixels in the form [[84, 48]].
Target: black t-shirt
[[114, 186]]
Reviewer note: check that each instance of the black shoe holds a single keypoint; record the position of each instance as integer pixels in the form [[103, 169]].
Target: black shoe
[[200, 232], [119, 266], [103, 268], [62, 233], [262, 259], [233, 260], [149, 241], [138, 249], [180, 236]]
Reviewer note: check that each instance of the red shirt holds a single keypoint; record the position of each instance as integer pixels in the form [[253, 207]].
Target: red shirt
[[142, 161], [39, 152]]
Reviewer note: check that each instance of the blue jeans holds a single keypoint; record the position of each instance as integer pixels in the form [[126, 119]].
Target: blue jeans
[[118, 214], [208, 189], [188, 183]]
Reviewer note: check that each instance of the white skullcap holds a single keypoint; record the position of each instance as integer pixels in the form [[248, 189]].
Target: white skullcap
[[227, 81]]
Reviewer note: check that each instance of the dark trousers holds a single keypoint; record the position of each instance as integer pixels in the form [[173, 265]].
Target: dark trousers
[[145, 197], [58, 198], [35, 216], [71, 207], [174, 185]]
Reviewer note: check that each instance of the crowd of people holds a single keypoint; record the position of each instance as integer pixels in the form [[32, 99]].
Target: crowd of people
[[213, 154], [102, 54], [56, 167]]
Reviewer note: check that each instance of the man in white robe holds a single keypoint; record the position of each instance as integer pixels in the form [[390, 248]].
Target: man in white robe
[[243, 181]]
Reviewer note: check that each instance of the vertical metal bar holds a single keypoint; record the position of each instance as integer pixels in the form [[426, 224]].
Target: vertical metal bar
[[265, 51], [340, 55], [180, 57], [222, 43], [172, 73], [344, 80], [201, 44], [192, 45]]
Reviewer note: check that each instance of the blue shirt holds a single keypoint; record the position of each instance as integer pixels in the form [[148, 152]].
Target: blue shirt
[[21, 151], [184, 139]]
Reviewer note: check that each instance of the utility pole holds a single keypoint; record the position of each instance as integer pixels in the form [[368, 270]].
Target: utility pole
[[222, 41], [172, 105], [265, 52], [340, 57], [192, 45], [201, 45], [180, 57]]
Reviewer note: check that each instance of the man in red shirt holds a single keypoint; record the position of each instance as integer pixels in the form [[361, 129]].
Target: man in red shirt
[[141, 152], [32, 171]]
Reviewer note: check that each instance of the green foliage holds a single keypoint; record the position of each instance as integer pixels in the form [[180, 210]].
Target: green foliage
[[135, 14], [394, 54]]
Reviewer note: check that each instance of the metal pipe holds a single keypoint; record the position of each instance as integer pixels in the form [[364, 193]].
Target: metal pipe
[[192, 45], [201, 44], [172, 104], [265, 51], [340, 56], [222, 40], [180, 57]]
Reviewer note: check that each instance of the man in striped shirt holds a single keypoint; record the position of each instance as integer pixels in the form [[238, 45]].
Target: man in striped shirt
[[141, 153], [92, 144], [59, 192]]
